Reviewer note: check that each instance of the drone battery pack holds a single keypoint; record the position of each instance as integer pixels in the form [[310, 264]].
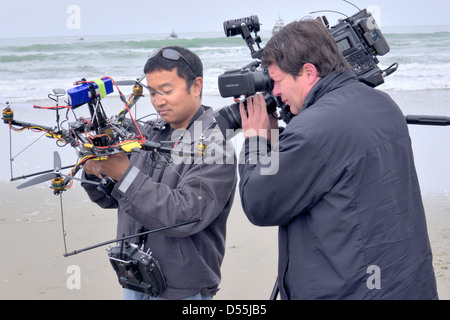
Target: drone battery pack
[[82, 94]]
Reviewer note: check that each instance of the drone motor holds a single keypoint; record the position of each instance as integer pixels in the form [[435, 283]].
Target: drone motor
[[58, 184], [8, 114]]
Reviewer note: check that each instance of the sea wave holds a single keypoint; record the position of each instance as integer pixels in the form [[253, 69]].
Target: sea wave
[[32, 67], [415, 76], [417, 35], [105, 44]]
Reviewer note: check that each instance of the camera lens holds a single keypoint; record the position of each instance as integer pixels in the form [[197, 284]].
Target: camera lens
[[244, 82], [262, 81], [229, 117]]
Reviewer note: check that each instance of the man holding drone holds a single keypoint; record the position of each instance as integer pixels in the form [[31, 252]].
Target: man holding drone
[[153, 192]]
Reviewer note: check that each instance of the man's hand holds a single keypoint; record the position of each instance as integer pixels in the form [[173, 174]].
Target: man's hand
[[114, 167], [258, 122]]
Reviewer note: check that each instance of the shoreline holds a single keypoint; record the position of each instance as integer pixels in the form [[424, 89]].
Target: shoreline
[[34, 267]]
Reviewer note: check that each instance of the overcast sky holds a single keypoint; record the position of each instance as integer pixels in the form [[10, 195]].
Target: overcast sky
[[25, 18]]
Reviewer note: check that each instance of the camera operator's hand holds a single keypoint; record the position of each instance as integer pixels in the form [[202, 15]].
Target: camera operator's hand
[[257, 122], [114, 167]]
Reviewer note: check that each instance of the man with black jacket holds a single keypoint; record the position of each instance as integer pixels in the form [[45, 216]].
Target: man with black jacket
[[155, 190], [346, 196]]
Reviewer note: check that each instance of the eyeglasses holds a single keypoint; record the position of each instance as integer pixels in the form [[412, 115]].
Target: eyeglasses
[[171, 54]]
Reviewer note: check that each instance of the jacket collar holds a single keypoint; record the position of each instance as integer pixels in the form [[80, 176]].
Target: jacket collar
[[327, 84]]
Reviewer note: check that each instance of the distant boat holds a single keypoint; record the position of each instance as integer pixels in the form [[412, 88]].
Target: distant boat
[[80, 39], [279, 24], [173, 35]]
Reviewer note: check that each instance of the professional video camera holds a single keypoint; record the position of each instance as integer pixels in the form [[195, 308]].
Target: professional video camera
[[360, 40], [358, 37]]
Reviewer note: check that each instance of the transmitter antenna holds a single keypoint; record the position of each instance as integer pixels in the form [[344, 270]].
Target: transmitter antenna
[[352, 4]]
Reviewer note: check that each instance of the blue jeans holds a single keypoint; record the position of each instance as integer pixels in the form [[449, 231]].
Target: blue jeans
[[134, 295]]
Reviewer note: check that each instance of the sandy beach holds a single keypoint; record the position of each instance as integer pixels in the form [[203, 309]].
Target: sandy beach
[[33, 266]]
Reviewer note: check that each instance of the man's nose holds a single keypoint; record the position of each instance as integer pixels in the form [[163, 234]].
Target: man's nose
[[276, 90], [158, 100]]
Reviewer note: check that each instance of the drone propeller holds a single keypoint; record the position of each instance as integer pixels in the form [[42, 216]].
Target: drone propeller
[[127, 82], [48, 176], [138, 81], [56, 162], [56, 174], [131, 82]]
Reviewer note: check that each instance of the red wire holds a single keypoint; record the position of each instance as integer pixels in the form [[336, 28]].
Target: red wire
[[142, 139]]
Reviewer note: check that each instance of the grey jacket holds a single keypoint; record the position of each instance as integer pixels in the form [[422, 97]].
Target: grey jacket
[[153, 194], [346, 199]]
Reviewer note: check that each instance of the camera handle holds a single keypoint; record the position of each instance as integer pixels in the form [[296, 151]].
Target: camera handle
[[250, 41]]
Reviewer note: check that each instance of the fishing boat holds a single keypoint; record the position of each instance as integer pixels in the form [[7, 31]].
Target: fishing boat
[[173, 35], [279, 24]]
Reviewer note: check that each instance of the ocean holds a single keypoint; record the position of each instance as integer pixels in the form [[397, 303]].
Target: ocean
[[31, 67]]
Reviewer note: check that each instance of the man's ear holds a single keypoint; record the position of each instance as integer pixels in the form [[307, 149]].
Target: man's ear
[[311, 72], [197, 86]]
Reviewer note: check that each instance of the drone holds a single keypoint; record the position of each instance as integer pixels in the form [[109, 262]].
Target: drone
[[95, 138]]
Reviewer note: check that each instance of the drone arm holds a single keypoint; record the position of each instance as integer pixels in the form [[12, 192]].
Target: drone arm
[[28, 125], [132, 100]]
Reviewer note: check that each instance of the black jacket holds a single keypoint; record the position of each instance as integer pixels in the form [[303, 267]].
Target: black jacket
[[346, 198]]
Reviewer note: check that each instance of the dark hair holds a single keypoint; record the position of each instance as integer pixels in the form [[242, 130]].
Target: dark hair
[[159, 63], [305, 41]]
